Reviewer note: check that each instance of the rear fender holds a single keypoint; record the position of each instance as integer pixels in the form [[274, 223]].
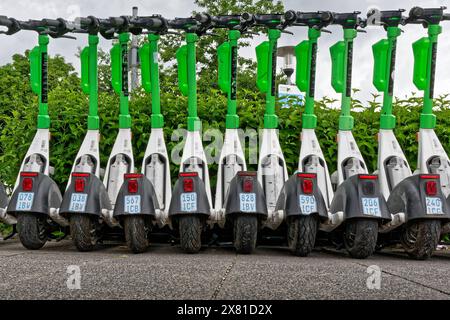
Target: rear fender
[[189, 196]]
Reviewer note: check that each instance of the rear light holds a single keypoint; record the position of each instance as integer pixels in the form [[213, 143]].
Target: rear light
[[247, 174], [429, 176], [133, 186], [307, 186], [188, 174], [133, 176], [307, 175], [80, 175], [368, 177], [79, 185], [27, 184], [188, 185], [247, 185], [28, 174], [431, 188]]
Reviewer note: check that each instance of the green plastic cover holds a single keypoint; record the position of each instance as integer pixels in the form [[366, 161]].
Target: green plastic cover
[[35, 67], [338, 66], [116, 68], [421, 50], [380, 52], [223, 53], [144, 54], [302, 55], [182, 70], [85, 84], [262, 56]]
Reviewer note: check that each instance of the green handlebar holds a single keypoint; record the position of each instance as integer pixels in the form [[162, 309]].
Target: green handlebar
[[39, 79], [384, 53], [119, 78], [306, 54], [266, 54], [227, 57], [150, 77], [425, 51], [89, 80], [342, 59], [187, 78]]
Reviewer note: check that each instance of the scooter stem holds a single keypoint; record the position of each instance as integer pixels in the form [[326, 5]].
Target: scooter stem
[[156, 118], [270, 118], [89, 80], [39, 79], [194, 123], [232, 119]]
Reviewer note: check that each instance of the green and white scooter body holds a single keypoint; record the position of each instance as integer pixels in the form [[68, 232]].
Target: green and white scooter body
[[156, 165], [232, 158], [272, 171], [121, 160]]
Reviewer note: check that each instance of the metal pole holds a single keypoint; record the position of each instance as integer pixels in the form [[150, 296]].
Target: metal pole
[[134, 57]]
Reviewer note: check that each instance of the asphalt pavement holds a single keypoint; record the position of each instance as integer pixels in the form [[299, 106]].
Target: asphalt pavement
[[164, 272]]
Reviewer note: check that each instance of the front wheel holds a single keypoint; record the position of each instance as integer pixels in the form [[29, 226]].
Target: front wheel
[[420, 238], [302, 233], [136, 233], [32, 230], [245, 233], [360, 237], [190, 233], [83, 232]]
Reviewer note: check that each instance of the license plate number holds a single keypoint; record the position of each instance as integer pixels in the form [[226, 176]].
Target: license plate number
[[247, 202], [434, 205], [189, 202], [78, 202], [25, 201], [371, 207], [132, 204], [307, 204]]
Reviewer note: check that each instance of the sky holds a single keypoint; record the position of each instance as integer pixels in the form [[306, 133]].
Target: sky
[[363, 60]]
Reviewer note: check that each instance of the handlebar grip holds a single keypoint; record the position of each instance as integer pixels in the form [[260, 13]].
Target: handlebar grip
[[290, 15], [416, 12], [52, 22], [5, 21], [446, 17], [247, 17], [85, 22], [117, 21], [203, 17]]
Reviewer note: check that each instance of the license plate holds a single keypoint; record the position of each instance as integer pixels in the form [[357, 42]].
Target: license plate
[[133, 204], [247, 202], [307, 204], [25, 201], [434, 206], [78, 202], [189, 202], [371, 207]]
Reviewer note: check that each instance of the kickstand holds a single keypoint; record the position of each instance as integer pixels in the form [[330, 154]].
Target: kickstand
[[214, 240], [12, 234], [61, 238]]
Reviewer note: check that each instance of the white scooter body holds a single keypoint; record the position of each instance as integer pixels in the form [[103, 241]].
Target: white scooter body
[[272, 174], [350, 160], [433, 158], [194, 160], [120, 162], [156, 167], [232, 160]]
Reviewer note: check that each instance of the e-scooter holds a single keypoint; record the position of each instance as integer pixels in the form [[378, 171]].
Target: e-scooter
[[190, 206]]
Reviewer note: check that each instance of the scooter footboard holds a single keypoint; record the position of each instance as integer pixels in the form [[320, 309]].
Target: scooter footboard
[[35, 193], [136, 197], [245, 196], [86, 194], [360, 197], [189, 196], [301, 195], [419, 197]]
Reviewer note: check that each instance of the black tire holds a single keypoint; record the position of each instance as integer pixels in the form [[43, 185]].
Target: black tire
[[302, 231], [32, 230], [245, 233], [136, 233], [420, 238], [83, 232], [360, 237], [190, 233]]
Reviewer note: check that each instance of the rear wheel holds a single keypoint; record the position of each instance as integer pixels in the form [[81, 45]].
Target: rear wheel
[[245, 233], [136, 233], [190, 233], [420, 238], [32, 230], [360, 237], [302, 233], [83, 232]]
